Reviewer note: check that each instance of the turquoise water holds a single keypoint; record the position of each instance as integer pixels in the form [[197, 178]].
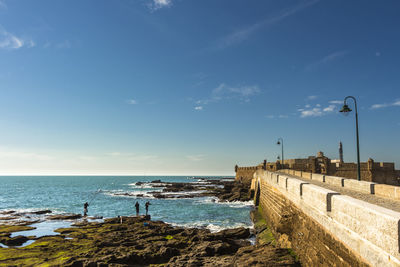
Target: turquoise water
[[66, 194]]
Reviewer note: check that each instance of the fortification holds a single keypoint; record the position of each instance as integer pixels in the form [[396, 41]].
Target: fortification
[[377, 172], [245, 174], [326, 228]]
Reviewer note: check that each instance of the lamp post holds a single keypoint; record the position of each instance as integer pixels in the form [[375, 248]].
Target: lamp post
[[345, 110], [280, 142]]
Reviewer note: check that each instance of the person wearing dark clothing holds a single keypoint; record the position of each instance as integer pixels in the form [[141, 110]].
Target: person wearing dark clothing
[[85, 209], [137, 208], [147, 207]]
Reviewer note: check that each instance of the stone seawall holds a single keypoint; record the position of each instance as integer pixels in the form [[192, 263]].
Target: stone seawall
[[325, 228]]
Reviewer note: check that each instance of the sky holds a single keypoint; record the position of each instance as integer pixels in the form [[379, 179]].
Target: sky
[[193, 87]]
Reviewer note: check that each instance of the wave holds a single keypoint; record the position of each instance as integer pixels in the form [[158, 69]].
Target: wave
[[234, 204], [213, 227], [148, 185]]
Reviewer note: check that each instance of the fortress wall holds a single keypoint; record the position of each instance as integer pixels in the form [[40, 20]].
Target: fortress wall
[[326, 228], [245, 174]]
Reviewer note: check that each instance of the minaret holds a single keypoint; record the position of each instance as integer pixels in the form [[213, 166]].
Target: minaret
[[340, 151]]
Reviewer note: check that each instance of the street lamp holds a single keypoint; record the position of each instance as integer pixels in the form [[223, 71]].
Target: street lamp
[[280, 142], [345, 110]]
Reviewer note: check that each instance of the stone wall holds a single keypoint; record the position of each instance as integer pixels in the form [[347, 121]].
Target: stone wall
[[245, 174], [325, 228]]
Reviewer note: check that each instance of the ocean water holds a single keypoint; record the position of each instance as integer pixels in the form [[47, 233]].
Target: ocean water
[[110, 196]]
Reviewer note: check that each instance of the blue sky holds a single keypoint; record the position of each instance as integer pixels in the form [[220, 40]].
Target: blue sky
[[193, 87]]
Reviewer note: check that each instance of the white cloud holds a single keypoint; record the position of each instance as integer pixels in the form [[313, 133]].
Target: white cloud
[[283, 116], [270, 116], [241, 35], [224, 92], [157, 4], [198, 108], [325, 60], [312, 97], [338, 102], [329, 108], [316, 111], [11, 41], [195, 157], [132, 102], [385, 105]]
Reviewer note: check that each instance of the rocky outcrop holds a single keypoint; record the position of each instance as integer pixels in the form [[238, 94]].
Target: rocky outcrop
[[137, 242]]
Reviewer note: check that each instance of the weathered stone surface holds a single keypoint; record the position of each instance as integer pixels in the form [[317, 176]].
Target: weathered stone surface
[[131, 243]]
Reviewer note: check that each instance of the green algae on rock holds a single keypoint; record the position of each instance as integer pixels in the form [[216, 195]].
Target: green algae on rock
[[134, 243]]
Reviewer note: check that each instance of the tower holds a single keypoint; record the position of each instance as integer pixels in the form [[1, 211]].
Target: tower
[[340, 151]]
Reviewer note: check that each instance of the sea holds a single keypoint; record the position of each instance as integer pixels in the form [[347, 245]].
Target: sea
[[112, 196]]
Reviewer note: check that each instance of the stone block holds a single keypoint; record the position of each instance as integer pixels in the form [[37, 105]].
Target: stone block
[[318, 177], [361, 186], [282, 181], [378, 225], [334, 180], [317, 197], [297, 173], [306, 175], [387, 191], [295, 186]]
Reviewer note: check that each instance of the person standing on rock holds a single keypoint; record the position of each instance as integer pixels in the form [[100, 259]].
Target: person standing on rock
[[137, 208], [85, 209], [147, 207]]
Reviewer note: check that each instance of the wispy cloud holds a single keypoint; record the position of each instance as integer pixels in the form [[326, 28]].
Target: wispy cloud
[[195, 157], [385, 105], [281, 116], [198, 108], [225, 92], [312, 97], [24, 155], [157, 4], [241, 35], [64, 45], [132, 101], [326, 59], [12, 42], [336, 102]]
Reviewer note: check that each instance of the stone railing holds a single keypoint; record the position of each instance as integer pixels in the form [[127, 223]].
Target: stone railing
[[382, 190]]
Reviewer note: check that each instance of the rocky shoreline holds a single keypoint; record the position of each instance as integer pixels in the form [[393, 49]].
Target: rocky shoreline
[[138, 241]]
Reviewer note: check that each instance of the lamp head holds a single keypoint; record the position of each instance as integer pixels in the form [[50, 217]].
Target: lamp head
[[278, 143], [278, 157], [345, 110]]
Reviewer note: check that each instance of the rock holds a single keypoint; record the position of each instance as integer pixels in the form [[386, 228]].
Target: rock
[[156, 181], [139, 183], [65, 217], [15, 241], [41, 212]]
